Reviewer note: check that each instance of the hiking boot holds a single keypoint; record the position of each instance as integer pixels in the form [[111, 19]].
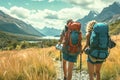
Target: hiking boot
[[94, 75], [65, 78]]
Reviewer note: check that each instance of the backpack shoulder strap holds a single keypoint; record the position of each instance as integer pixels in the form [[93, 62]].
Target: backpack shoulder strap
[[80, 36], [80, 39]]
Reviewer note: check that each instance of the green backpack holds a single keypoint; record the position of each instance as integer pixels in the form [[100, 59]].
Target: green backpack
[[99, 40]]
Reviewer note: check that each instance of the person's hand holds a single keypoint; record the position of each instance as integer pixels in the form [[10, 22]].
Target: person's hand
[[59, 46], [82, 51], [59, 43]]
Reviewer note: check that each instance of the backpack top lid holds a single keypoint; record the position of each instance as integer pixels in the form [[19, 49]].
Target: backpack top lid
[[74, 26], [101, 28]]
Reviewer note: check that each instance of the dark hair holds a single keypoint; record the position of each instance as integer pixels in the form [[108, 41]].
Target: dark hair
[[66, 28], [69, 20]]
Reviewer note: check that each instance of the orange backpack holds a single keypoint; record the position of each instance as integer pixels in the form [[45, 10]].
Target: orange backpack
[[73, 39]]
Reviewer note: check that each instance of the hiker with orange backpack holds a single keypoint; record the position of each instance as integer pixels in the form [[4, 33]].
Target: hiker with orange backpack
[[96, 47], [71, 40]]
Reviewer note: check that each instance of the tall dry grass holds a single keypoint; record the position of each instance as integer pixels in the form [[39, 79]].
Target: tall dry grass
[[38, 64], [28, 64], [111, 68]]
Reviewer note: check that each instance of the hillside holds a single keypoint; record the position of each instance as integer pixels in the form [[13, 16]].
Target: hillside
[[10, 41], [112, 10], [16, 26], [115, 28], [9, 36]]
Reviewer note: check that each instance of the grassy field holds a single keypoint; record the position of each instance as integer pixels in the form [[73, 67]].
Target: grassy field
[[111, 68], [38, 63], [27, 64]]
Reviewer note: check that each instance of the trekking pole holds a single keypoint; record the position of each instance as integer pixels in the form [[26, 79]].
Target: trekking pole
[[61, 63], [80, 65]]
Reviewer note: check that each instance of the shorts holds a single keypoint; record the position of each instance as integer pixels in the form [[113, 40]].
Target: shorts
[[69, 57], [94, 61]]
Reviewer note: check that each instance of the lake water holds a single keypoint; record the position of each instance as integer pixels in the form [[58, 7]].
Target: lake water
[[47, 37], [50, 37]]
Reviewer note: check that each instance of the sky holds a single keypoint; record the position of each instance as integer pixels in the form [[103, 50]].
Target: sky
[[51, 13]]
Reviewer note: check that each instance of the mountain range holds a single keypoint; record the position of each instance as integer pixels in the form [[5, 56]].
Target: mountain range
[[108, 12], [9, 24], [16, 26], [50, 31], [109, 15]]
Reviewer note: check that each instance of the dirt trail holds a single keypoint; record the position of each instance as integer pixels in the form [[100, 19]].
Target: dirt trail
[[76, 74]]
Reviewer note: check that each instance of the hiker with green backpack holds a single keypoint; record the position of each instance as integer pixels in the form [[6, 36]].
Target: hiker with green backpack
[[71, 39], [96, 47]]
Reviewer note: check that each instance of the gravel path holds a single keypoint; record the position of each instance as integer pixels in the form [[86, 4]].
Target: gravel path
[[76, 75]]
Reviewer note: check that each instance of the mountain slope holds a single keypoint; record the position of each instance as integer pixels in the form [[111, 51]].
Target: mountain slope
[[13, 25], [109, 15], [10, 27], [10, 36], [50, 31], [115, 28], [108, 12], [114, 18]]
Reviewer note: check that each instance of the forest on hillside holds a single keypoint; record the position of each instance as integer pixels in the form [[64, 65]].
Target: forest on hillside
[[10, 41]]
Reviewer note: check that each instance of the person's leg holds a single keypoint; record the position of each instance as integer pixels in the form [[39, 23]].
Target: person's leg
[[70, 67], [91, 70], [98, 67], [65, 68]]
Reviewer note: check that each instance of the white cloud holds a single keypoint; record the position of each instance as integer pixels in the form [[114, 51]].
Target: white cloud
[[42, 18], [50, 14], [97, 5], [20, 12], [51, 0], [80, 2], [73, 13], [5, 10]]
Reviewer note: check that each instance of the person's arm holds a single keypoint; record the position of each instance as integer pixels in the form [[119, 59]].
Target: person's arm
[[87, 41]]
